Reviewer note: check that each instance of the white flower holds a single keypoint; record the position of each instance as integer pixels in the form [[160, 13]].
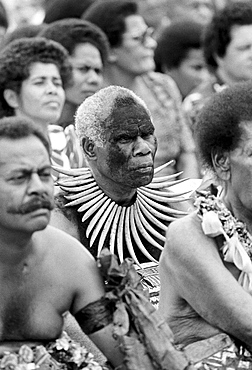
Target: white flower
[[62, 343]]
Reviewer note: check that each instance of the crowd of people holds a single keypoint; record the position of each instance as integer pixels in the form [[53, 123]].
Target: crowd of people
[[126, 146]]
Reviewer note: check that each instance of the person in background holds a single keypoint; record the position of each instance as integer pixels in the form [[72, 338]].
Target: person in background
[[61, 9], [4, 22], [206, 278], [200, 10], [33, 74], [227, 45], [131, 65], [26, 30], [88, 50], [44, 272], [179, 54], [25, 12], [160, 13]]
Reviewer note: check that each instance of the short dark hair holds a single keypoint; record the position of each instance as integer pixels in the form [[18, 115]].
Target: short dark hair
[[4, 21], [71, 32], [19, 127], [16, 59], [61, 9], [24, 30], [110, 16], [175, 41], [218, 123], [217, 35]]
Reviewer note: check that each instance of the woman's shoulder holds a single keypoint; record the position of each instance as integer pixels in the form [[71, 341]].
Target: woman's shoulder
[[184, 225]]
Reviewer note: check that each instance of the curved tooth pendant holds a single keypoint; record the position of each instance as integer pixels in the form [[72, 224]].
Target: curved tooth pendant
[[123, 225]]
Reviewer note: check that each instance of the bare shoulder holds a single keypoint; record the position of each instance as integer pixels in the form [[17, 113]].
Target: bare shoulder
[[185, 243], [183, 230], [60, 243], [66, 221]]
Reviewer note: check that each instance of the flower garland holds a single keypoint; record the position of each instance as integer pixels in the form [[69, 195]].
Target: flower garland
[[63, 353], [230, 224], [237, 247]]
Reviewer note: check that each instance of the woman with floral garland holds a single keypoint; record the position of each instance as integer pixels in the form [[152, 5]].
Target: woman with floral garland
[[206, 278]]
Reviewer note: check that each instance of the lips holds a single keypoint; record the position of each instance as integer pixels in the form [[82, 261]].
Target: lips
[[144, 167], [53, 102]]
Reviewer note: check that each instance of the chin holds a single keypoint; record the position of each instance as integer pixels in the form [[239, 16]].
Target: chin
[[145, 180], [39, 222]]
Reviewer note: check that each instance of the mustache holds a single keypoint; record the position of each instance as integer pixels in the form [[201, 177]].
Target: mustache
[[33, 205]]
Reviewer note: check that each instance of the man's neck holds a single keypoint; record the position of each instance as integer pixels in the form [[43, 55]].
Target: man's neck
[[119, 193], [14, 247]]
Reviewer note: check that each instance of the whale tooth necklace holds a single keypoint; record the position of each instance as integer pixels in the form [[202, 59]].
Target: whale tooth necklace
[[151, 207]]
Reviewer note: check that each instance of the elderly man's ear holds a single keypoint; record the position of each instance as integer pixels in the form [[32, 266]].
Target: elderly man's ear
[[89, 148], [221, 163]]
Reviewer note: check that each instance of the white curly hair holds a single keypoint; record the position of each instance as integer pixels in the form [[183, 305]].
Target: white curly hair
[[93, 113]]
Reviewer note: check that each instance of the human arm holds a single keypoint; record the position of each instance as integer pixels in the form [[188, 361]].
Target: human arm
[[191, 264], [89, 289]]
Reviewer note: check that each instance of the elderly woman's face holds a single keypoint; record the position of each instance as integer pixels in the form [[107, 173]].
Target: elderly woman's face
[[42, 96], [135, 55]]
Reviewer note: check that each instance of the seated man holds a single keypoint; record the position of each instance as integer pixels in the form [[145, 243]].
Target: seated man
[[44, 272], [113, 203], [205, 267]]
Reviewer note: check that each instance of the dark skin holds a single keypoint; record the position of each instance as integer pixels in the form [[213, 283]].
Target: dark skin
[[125, 162], [44, 273]]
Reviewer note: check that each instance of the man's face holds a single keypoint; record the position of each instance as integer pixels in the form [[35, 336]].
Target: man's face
[[87, 73], [127, 158], [26, 185], [199, 10], [236, 65]]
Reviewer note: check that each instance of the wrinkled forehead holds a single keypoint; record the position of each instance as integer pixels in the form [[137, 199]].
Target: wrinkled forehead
[[127, 114]]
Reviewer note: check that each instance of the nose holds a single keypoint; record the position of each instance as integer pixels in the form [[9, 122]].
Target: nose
[[36, 185], [141, 147], [150, 42], [51, 88], [93, 77]]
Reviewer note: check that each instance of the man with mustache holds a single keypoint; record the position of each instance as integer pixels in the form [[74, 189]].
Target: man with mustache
[[44, 272]]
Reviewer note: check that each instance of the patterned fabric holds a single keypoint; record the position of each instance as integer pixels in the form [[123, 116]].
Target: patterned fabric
[[66, 150], [228, 359], [163, 99], [73, 148]]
